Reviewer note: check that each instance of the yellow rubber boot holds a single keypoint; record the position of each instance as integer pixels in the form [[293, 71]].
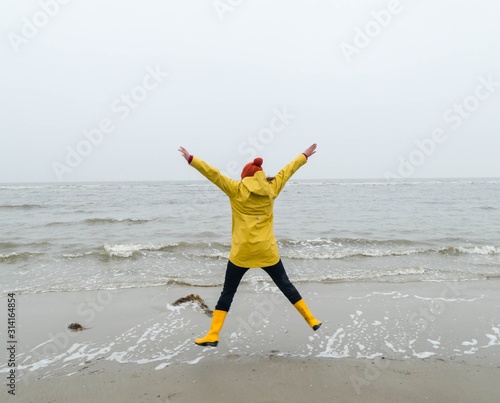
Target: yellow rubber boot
[[212, 337], [307, 315]]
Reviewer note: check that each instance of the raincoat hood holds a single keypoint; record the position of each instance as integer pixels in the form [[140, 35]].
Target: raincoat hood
[[257, 184]]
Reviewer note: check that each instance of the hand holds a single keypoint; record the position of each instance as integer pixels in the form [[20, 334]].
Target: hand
[[185, 153], [311, 150]]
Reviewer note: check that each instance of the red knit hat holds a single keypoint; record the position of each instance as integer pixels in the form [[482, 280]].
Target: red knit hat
[[252, 167]]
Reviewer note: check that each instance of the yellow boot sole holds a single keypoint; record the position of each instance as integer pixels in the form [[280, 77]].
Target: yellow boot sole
[[207, 343]]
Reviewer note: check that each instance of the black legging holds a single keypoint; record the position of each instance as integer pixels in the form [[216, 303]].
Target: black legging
[[234, 274]]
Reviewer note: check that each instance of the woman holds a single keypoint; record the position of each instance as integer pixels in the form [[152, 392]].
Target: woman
[[253, 241]]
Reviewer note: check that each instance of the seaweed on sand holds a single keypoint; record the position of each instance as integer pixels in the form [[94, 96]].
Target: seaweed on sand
[[197, 299]]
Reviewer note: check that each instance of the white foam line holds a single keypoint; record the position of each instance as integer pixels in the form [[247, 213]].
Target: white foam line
[[370, 356], [449, 299], [161, 366], [471, 351], [376, 293], [88, 355], [176, 309], [330, 350], [42, 363], [424, 354], [154, 331], [469, 343], [40, 345], [391, 346], [494, 339], [170, 354]]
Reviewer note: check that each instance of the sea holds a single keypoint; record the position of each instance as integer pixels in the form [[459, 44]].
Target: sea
[[91, 236]]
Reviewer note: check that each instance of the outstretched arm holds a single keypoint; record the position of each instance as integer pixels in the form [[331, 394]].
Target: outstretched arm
[[227, 185], [286, 173]]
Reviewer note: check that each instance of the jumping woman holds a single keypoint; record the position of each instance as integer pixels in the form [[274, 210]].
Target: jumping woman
[[253, 241]]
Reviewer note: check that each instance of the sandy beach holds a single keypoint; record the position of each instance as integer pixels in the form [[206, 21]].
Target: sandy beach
[[273, 379], [426, 341]]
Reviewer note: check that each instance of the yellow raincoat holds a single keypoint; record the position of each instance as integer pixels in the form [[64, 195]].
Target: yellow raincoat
[[252, 200]]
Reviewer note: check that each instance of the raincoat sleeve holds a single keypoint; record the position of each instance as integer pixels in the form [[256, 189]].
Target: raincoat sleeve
[[227, 185], [279, 181]]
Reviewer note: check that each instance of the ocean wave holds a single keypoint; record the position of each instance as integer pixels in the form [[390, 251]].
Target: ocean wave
[[103, 221], [387, 274], [325, 255], [112, 287], [471, 250], [255, 279], [133, 250], [8, 245], [391, 182], [130, 250], [218, 255], [341, 248], [16, 256], [400, 274], [22, 187], [77, 255], [117, 220], [21, 206], [299, 254], [306, 250], [344, 241], [13, 245], [319, 249]]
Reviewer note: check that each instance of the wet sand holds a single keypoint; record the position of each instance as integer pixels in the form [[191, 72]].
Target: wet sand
[[432, 341], [275, 379]]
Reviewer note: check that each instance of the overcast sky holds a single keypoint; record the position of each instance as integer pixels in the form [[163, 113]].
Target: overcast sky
[[105, 91]]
